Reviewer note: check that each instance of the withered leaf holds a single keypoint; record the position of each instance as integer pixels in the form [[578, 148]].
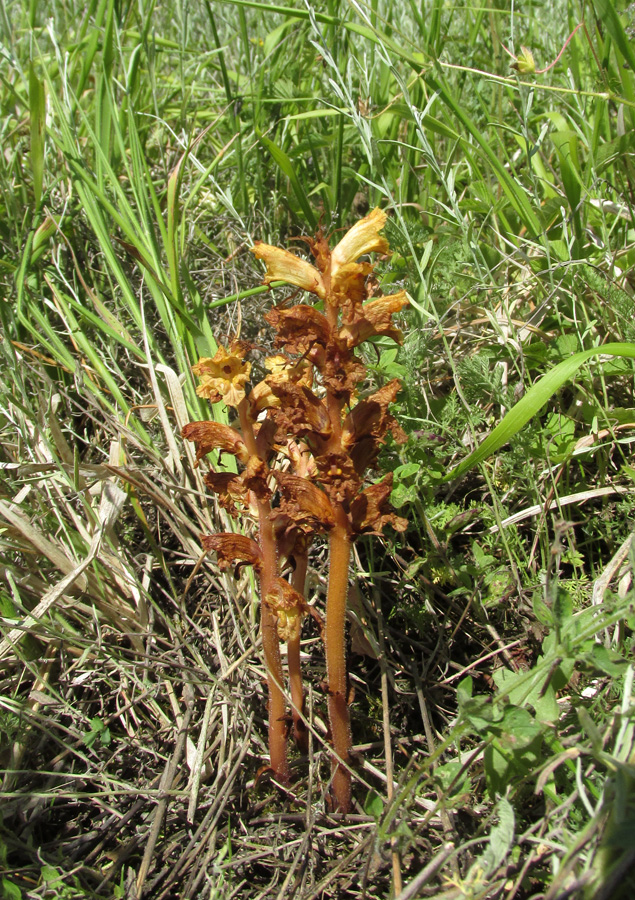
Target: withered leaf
[[232, 548], [370, 510], [304, 502], [337, 473], [370, 417], [210, 436], [299, 328], [375, 318], [301, 413]]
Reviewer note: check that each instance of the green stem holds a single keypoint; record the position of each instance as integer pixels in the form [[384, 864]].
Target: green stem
[[335, 649]]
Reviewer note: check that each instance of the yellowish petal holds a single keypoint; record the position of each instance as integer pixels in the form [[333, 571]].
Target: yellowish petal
[[289, 607], [224, 375], [285, 266], [362, 238]]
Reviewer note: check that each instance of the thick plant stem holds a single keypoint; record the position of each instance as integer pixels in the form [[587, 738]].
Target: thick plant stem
[[335, 646], [300, 731], [271, 649], [277, 707], [277, 703]]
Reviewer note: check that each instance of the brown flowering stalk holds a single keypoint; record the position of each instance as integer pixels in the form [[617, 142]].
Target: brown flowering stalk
[[327, 437]]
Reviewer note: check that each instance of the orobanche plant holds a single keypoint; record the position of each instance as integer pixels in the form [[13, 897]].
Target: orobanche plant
[[305, 435]]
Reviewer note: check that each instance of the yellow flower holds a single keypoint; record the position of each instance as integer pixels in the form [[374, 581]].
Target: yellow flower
[[223, 377], [362, 238], [338, 274], [283, 369], [285, 266], [289, 607]]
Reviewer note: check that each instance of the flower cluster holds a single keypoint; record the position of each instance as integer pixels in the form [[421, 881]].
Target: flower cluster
[[305, 434]]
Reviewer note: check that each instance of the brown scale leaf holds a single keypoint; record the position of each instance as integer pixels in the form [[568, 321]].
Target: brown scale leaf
[[341, 370], [370, 419], [375, 318], [265, 437], [232, 548], [337, 473], [255, 478], [370, 511], [299, 328], [291, 540], [210, 436], [304, 502], [233, 489], [301, 413], [229, 489]]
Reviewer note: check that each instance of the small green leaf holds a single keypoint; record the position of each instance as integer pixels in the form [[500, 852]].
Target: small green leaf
[[9, 890], [562, 608], [517, 729], [373, 805], [607, 660], [405, 471], [590, 728], [464, 690], [49, 873], [541, 611], [501, 838], [446, 775]]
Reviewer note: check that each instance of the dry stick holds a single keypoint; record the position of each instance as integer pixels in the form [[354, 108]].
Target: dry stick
[[300, 731], [166, 782], [202, 834], [271, 649], [424, 876], [268, 620], [446, 822]]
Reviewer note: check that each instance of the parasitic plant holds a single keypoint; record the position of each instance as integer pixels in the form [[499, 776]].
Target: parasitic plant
[[305, 434]]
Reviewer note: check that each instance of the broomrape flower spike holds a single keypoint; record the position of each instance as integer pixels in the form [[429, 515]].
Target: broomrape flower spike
[[304, 432]]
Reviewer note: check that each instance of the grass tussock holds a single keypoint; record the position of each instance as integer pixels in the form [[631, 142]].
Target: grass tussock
[[144, 150]]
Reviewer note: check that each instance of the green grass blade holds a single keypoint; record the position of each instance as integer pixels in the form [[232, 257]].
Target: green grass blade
[[286, 11], [286, 166], [533, 401], [37, 115], [515, 194], [606, 13]]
